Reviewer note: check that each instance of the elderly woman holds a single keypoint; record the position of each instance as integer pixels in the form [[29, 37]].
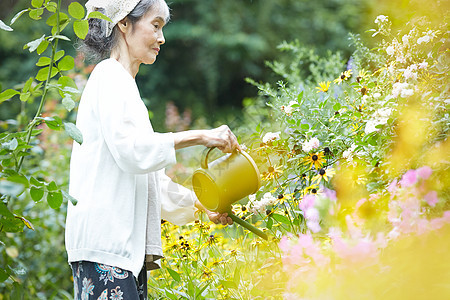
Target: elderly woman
[[113, 234]]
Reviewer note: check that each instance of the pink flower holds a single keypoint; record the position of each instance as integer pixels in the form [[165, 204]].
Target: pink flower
[[424, 172], [409, 178], [313, 226], [330, 194], [307, 202], [431, 198], [284, 244]]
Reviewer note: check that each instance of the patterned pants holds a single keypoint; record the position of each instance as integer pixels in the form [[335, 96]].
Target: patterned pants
[[102, 282]]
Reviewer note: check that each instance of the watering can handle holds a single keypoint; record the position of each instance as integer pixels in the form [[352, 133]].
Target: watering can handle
[[247, 225], [204, 162]]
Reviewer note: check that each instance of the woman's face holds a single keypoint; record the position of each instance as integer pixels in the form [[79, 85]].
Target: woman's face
[[146, 36]]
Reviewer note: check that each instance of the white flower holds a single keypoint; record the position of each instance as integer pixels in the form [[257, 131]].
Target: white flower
[[289, 110], [364, 99], [409, 74], [313, 143], [423, 65], [376, 95], [405, 39], [271, 136], [397, 88], [252, 197], [406, 93], [424, 39], [348, 154], [261, 205], [380, 117], [390, 50], [306, 146], [381, 19]]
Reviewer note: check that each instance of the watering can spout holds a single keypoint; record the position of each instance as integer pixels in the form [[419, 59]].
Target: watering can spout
[[227, 180]]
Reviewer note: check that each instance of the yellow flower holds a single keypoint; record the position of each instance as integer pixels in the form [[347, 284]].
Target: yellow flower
[[324, 174], [323, 86], [240, 210], [315, 159], [272, 172], [362, 74], [283, 198], [344, 76]]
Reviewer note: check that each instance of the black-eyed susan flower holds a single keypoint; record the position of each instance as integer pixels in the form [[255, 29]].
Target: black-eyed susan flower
[[240, 210], [283, 198], [362, 75], [323, 174], [315, 159], [272, 172], [344, 76], [323, 86]]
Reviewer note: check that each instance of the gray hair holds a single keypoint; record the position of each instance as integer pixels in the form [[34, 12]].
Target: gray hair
[[97, 46]]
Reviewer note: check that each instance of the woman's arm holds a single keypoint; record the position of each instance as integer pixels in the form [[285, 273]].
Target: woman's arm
[[220, 137]]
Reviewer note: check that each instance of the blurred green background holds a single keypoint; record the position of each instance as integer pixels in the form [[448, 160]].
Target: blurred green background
[[211, 47]]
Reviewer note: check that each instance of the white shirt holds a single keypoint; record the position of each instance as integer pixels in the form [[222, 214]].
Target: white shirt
[[117, 176]]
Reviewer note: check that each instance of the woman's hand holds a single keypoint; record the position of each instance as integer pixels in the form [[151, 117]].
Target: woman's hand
[[215, 217], [221, 138]]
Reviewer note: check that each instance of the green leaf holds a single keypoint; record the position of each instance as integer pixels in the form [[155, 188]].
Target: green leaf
[[229, 284], [42, 47], [33, 45], [54, 199], [81, 28], [68, 87], [37, 3], [3, 26], [300, 97], [4, 211], [59, 54], [73, 132], [98, 15], [52, 20], [174, 274], [281, 219], [76, 10], [36, 193], [269, 223], [68, 103], [16, 16], [27, 85], [8, 94], [19, 179], [36, 182], [337, 106], [36, 14], [51, 6], [54, 123], [43, 73], [25, 96], [67, 63], [304, 126], [3, 275], [43, 61], [59, 36], [67, 197], [11, 145]]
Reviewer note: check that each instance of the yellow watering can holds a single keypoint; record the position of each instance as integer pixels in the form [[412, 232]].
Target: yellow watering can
[[225, 181]]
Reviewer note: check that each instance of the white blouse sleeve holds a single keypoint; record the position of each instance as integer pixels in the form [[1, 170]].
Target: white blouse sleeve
[[127, 131], [177, 202]]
